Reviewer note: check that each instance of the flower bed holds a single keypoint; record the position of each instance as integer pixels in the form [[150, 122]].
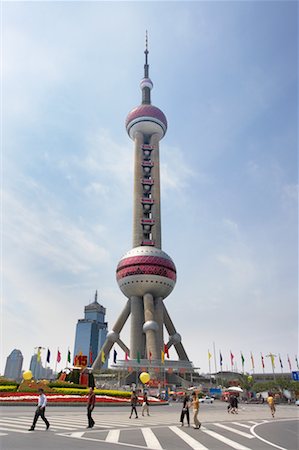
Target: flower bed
[[23, 397]]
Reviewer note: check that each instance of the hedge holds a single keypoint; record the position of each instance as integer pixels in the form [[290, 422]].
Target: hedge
[[7, 388], [84, 391]]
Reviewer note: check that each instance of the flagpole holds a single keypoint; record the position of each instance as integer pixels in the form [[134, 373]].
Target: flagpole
[[215, 358]]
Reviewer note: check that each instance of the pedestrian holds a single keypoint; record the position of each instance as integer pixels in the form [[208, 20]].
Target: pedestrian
[[195, 406], [40, 410], [134, 401], [91, 400], [271, 403], [145, 404], [185, 410]]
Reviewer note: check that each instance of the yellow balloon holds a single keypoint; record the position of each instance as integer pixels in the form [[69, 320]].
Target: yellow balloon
[[27, 375], [250, 378], [144, 377]]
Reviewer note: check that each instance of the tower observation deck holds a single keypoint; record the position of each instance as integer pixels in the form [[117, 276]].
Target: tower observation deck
[[146, 274]]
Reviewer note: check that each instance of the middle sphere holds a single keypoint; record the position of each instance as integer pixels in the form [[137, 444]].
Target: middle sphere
[[146, 270]]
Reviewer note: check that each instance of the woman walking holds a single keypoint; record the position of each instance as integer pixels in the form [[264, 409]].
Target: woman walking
[[185, 411], [195, 406], [134, 401]]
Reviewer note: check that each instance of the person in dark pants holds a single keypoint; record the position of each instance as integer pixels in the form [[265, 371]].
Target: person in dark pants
[[134, 401], [185, 411], [90, 407], [40, 410]]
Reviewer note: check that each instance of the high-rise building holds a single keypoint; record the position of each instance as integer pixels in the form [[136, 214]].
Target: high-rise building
[[146, 274], [91, 333], [13, 367], [39, 372]]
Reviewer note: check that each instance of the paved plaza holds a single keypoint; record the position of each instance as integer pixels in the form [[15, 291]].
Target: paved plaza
[[252, 429]]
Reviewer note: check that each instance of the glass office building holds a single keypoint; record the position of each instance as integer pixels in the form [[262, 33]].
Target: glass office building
[[91, 332]]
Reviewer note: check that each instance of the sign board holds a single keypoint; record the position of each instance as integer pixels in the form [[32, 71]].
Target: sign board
[[215, 391], [295, 375]]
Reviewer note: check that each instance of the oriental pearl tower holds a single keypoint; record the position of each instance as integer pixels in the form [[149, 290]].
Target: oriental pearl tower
[[146, 275]]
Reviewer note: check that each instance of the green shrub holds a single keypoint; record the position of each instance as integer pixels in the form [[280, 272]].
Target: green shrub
[[84, 391], [65, 384], [8, 388], [7, 382]]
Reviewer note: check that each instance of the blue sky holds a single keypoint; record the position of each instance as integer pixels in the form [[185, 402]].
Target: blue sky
[[225, 75]]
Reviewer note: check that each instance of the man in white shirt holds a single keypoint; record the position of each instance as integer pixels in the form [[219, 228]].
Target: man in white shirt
[[40, 410]]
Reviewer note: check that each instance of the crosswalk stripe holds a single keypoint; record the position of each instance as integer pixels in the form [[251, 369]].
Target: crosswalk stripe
[[188, 439], [224, 439], [3, 434], [12, 429], [233, 430], [241, 424], [252, 421], [113, 436], [150, 439]]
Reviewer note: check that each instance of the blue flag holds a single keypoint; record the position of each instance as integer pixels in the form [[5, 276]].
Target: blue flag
[[220, 359], [48, 356], [114, 356]]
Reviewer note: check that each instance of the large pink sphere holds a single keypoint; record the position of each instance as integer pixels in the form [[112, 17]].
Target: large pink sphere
[[145, 270], [147, 119]]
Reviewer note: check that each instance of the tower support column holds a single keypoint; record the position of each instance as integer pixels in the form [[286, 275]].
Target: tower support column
[[159, 314], [150, 326], [137, 205], [156, 232], [137, 342]]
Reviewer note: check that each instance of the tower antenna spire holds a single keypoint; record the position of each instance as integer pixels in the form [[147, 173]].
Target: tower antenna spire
[[146, 66]]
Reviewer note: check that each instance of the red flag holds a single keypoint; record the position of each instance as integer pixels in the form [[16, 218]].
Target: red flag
[[58, 356], [150, 356], [126, 356], [90, 357], [231, 358], [263, 364], [166, 350]]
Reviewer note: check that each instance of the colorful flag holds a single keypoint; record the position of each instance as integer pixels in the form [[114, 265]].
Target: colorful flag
[[48, 356], [220, 359], [138, 357], [231, 359], [209, 355], [166, 350], [103, 357], [290, 365], [114, 356], [242, 359], [252, 360], [280, 361], [68, 356], [126, 356], [162, 356], [58, 356], [38, 354], [263, 363]]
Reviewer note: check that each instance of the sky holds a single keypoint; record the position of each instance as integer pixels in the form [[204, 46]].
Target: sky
[[225, 74]]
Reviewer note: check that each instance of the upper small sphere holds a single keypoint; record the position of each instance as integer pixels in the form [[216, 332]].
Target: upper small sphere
[[147, 119], [145, 270]]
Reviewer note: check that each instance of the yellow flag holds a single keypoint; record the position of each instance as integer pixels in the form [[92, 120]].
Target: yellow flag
[[272, 360], [38, 354], [162, 356], [103, 357], [209, 355]]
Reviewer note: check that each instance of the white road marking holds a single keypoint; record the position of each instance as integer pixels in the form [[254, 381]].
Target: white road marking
[[225, 440], [113, 436], [150, 439], [13, 429], [77, 434], [241, 425], [233, 430], [188, 439]]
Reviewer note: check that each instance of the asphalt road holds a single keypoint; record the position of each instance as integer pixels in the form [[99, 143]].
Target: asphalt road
[[252, 429]]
